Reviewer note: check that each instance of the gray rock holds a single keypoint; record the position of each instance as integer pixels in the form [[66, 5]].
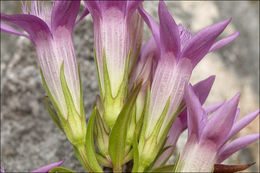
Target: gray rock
[[29, 139]]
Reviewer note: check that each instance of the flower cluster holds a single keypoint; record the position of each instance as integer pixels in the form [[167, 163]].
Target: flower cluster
[[145, 100]]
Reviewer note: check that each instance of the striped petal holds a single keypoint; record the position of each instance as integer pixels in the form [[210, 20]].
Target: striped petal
[[223, 42], [34, 26], [8, 29], [203, 88], [236, 145], [200, 44], [196, 114], [64, 14], [169, 33], [220, 124], [151, 24], [242, 123]]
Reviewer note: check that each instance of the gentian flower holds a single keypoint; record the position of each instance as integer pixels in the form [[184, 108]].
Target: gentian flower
[[50, 30], [207, 138], [47, 168], [180, 52], [202, 90], [117, 31]]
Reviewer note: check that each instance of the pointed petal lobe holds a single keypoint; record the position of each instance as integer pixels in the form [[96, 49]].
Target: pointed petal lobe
[[64, 14], [223, 42], [200, 44], [8, 29], [169, 33], [220, 124], [33, 25], [203, 87], [196, 115], [45, 169], [236, 145]]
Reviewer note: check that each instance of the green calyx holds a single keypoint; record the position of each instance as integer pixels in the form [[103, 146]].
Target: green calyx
[[113, 104], [75, 124]]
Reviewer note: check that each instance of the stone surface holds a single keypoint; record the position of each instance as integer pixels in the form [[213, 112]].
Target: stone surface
[[29, 139]]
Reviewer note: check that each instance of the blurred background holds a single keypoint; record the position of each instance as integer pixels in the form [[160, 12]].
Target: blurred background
[[29, 138]]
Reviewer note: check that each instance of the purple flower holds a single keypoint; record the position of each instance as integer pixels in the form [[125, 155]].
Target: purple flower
[[118, 31], [114, 25], [180, 51], [202, 90], [207, 138], [50, 29], [47, 168]]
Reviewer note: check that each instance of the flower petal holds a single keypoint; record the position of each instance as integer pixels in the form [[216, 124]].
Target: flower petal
[[220, 124], [223, 42], [121, 5], [243, 122], [236, 145], [84, 14], [151, 24], [185, 35], [203, 87], [132, 6], [64, 13], [196, 114], [33, 25], [200, 44], [45, 169], [213, 107], [93, 7], [8, 29], [169, 33]]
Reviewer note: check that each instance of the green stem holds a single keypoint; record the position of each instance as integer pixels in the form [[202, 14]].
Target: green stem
[[82, 152], [141, 168]]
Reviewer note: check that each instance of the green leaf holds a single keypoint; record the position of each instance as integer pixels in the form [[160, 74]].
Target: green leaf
[[117, 138], [136, 154], [61, 170], [167, 168], [53, 115], [90, 148]]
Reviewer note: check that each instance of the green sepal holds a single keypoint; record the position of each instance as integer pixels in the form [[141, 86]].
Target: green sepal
[[55, 105], [75, 125], [90, 148], [167, 168], [177, 165], [67, 95], [53, 115], [107, 84], [103, 161], [99, 80], [168, 126], [61, 170], [117, 138], [80, 158], [145, 118], [136, 154], [101, 134], [82, 111], [113, 104]]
